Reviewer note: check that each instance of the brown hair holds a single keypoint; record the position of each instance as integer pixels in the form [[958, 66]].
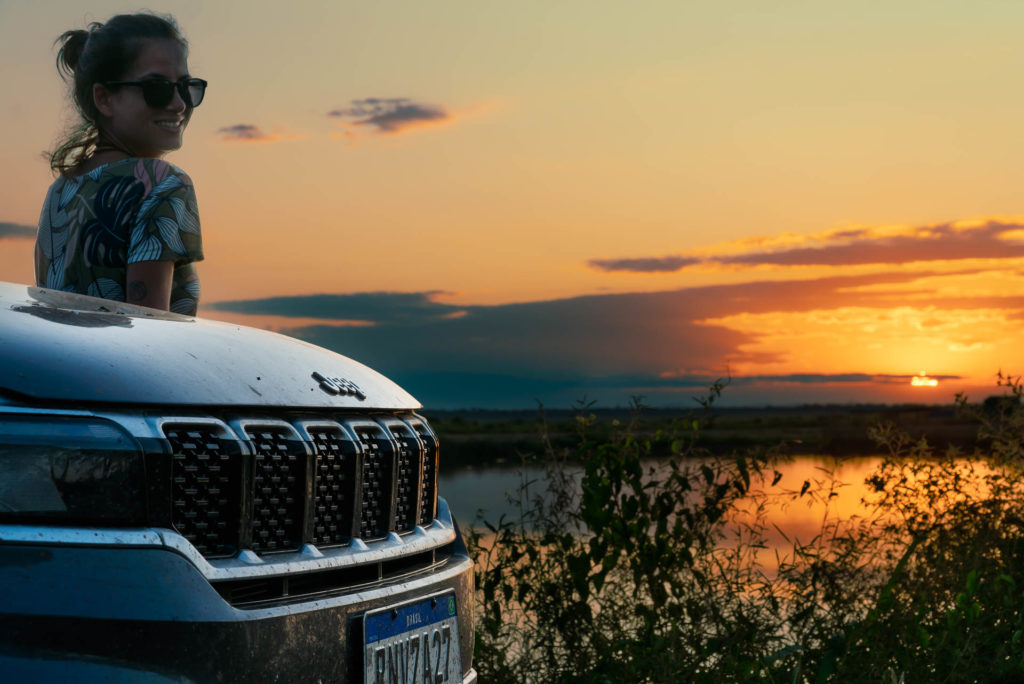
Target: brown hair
[[103, 52]]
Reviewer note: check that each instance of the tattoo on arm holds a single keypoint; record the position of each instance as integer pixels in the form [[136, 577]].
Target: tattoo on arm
[[137, 291]]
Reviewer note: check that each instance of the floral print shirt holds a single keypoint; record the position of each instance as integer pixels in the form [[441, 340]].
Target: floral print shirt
[[131, 210]]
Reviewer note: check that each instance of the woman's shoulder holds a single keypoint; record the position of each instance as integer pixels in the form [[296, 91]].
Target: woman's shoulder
[[149, 171], [156, 169], [157, 177]]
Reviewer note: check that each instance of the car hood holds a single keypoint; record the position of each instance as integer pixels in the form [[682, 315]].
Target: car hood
[[67, 347]]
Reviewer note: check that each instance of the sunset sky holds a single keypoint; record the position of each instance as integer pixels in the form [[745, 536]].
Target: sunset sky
[[497, 203]]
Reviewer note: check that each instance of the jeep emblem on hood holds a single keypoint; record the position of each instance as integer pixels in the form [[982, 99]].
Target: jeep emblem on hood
[[339, 386]]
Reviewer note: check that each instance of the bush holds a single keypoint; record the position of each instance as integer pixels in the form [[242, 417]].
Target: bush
[[627, 568]]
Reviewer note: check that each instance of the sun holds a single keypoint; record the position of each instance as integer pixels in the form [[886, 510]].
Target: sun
[[922, 380]]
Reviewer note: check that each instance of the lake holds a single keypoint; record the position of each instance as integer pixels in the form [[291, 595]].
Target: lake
[[469, 490]]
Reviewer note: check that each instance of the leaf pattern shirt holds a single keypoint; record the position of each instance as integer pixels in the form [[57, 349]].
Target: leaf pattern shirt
[[128, 211]]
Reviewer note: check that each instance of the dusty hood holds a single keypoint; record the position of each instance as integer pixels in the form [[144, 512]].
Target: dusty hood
[[59, 346]]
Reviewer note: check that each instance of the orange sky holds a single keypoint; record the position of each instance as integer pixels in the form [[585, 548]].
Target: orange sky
[[820, 199]]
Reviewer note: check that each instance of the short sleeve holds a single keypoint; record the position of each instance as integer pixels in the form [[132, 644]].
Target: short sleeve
[[166, 226]]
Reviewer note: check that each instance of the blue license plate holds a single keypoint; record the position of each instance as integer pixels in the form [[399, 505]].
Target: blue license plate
[[413, 643]]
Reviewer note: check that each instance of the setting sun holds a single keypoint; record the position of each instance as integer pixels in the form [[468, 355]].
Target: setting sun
[[922, 380]]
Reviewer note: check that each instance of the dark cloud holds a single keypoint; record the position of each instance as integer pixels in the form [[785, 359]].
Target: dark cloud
[[832, 378], [452, 388], [16, 231], [850, 233], [653, 265], [940, 242], [382, 308], [390, 115], [245, 133], [603, 346]]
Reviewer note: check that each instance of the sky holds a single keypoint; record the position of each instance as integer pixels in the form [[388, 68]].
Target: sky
[[499, 204]]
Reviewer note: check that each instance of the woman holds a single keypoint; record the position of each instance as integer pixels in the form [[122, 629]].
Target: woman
[[119, 222]]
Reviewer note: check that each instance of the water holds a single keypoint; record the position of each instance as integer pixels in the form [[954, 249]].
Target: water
[[472, 490], [797, 517]]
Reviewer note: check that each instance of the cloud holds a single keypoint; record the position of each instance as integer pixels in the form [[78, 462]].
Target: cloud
[[832, 378], [606, 346], [650, 265], [942, 242], [703, 379], [991, 239], [250, 133], [379, 308], [16, 231], [390, 116]]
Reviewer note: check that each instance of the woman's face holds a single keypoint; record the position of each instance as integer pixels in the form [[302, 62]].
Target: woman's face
[[130, 122]]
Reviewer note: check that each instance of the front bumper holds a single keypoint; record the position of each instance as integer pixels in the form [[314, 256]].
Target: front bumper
[[91, 612]]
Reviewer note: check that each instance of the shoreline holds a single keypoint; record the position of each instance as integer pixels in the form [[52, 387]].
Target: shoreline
[[483, 437]]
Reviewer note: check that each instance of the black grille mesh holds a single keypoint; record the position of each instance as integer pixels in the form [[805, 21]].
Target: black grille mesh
[[407, 486], [205, 489], [334, 495], [428, 484], [378, 458], [278, 493], [368, 479]]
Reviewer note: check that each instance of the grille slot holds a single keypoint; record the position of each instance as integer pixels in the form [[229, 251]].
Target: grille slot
[[428, 483], [377, 481], [279, 487], [252, 590], [332, 580], [205, 488], [256, 593], [334, 492], [410, 460]]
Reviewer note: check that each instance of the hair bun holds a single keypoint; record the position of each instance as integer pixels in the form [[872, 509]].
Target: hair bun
[[72, 44]]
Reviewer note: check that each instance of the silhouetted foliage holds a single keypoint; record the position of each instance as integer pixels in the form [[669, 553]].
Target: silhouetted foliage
[[628, 568]]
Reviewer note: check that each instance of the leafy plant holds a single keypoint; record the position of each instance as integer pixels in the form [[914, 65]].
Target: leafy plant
[[623, 567]]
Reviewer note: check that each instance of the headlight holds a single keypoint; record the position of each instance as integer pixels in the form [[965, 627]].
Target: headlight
[[69, 470]]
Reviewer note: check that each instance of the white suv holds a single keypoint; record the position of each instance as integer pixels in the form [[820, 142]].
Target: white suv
[[187, 500]]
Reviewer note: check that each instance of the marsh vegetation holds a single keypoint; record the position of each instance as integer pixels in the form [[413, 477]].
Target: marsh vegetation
[[633, 564]]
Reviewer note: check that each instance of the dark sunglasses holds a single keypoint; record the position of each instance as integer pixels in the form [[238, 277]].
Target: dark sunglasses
[[158, 92]]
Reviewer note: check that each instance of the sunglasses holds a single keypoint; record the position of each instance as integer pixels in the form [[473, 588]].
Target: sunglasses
[[158, 92]]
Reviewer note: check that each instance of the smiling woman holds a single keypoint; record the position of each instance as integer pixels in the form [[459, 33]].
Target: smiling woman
[[119, 222]]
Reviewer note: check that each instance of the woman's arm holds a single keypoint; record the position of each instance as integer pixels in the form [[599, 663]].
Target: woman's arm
[[38, 260], [148, 283]]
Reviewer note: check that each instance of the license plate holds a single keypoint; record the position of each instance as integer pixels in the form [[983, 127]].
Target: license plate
[[413, 643]]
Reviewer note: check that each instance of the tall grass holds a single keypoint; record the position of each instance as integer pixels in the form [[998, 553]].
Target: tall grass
[[626, 572]]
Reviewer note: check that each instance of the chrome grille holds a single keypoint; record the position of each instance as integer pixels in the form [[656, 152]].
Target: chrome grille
[[378, 483], [272, 485], [428, 481], [205, 489], [278, 492], [408, 477], [334, 495]]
